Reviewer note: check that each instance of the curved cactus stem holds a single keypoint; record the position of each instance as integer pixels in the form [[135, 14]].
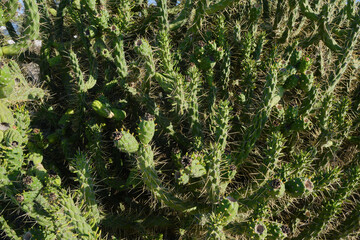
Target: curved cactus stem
[[31, 33], [147, 166], [4, 226], [270, 98], [75, 216], [182, 19], [347, 227]]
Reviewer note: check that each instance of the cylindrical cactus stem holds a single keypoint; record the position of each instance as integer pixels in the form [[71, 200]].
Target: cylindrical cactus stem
[[293, 15], [253, 229], [324, 116], [347, 227], [273, 153], [341, 111], [309, 102], [145, 161], [143, 47], [50, 203], [324, 179], [298, 187], [255, 14], [7, 81], [271, 161], [270, 99], [81, 84], [6, 117], [227, 210], [349, 185], [104, 109], [344, 60], [221, 31], [120, 61], [175, 85], [194, 85], [31, 32], [280, 15], [86, 182], [146, 129], [4, 226], [277, 231], [98, 18], [225, 74], [75, 216], [259, 47], [182, 18], [96, 148], [272, 189], [125, 141], [11, 6], [164, 40], [219, 118]]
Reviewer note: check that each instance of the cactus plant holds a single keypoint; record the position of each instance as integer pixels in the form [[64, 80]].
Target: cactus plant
[[238, 119]]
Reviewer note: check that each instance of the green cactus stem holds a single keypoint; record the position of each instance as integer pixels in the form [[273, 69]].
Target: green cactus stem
[[125, 141], [87, 186], [7, 229], [6, 117], [271, 97], [273, 189], [13, 138], [227, 209], [277, 231], [193, 167], [347, 227], [147, 166], [298, 187], [7, 82], [105, 110], [146, 129], [32, 30], [253, 229]]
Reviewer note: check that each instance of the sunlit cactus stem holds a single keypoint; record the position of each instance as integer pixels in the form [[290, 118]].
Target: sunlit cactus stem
[[31, 32]]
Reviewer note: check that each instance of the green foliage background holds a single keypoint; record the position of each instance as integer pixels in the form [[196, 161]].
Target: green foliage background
[[199, 120]]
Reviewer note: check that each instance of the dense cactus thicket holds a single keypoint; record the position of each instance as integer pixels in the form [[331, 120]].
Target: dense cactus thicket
[[196, 119]]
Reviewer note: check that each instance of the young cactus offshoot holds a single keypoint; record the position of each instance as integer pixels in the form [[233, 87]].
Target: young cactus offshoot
[[125, 141]]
